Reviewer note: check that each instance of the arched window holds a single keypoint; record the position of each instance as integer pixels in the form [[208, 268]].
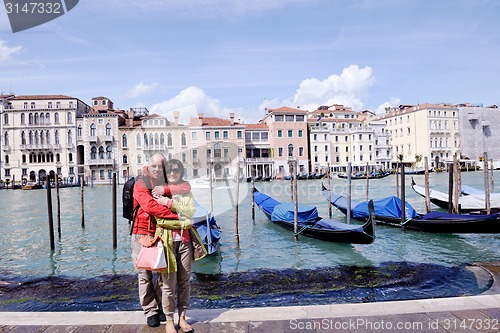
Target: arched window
[[42, 118], [6, 118], [6, 159], [184, 158], [37, 119], [101, 152], [290, 150], [30, 139], [37, 138], [47, 136], [169, 139], [79, 131], [124, 141], [23, 119], [47, 118], [56, 117], [162, 139], [70, 117], [151, 142], [139, 159], [70, 157], [24, 158], [58, 157], [124, 159], [6, 138], [93, 128], [108, 129], [183, 140], [108, 152], [157, 139], [145, 139], [56, 137], [23, 138], [30, 119], [70, 136], [93, 153]]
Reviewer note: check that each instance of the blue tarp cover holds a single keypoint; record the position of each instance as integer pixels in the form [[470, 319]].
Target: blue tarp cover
[[389, 207], [265, 202], [285, 212]]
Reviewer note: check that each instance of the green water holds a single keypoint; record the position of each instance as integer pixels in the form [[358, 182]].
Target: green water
[[88, 251]]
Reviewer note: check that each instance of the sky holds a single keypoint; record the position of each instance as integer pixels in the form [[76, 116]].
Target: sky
[[221, 56]]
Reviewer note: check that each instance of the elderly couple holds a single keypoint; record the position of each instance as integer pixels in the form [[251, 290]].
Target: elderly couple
[[166, 209]]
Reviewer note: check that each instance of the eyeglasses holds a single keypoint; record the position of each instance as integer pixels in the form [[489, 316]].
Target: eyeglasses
[[176, 171]]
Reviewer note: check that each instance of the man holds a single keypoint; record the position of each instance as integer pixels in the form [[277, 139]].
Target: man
[[144, 224]]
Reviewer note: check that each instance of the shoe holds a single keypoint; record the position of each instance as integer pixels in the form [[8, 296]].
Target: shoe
[[161, 316], [154, 320]]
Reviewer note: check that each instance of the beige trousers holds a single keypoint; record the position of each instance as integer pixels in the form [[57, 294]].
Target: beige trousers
[[149, 283], [180, 279]]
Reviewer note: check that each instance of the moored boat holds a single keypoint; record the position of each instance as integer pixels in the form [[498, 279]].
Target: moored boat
[[311, 225], [209, 231], [388, 211]]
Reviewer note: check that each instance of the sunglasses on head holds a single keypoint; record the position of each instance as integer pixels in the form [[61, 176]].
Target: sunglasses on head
[[176, 171]]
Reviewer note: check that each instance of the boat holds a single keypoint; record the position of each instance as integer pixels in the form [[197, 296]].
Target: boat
[[209, 231], [466, 204], [360, 175], [31, 186], [414, 171], [388, 211], [267, 179], [311, 225]]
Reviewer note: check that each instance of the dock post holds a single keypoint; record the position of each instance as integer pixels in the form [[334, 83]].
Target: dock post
[[113, 199], [253, 200], [486, 183], [456, 183], [403, 197], [349, 180], [236, 208], [427, 192], [295, 202], [82, 206], [367, 180], [58, 201], [450, 188], [329, 193], [49, 211]]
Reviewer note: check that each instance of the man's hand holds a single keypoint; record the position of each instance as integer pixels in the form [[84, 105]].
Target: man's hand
[[158, 191]]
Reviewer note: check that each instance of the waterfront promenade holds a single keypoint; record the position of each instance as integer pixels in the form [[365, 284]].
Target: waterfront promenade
[[479, 313]]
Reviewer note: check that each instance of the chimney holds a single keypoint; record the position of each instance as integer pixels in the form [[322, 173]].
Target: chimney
[[176, 117], [231, 116]]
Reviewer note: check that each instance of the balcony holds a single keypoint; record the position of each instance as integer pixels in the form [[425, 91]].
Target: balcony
[[196, 161], [259, 160], [6, 148], [102, 161], [154, 148], [36, 147], [109, 138], [218, 160], [93, 138]]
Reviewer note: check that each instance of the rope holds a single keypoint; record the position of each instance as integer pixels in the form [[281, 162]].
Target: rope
[[372, 236], [302, 229], [407, 220]]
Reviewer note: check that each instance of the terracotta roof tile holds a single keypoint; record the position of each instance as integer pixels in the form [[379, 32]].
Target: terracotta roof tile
[[256, 126], [31, 97]]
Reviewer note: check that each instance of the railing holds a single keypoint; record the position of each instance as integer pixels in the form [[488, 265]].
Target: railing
[[101, 161], [155, 147], [259, 160]]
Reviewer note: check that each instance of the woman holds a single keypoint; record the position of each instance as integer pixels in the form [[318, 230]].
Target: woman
[[182, 246]]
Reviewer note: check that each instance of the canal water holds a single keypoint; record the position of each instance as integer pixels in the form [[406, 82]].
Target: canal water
[[87, 252]]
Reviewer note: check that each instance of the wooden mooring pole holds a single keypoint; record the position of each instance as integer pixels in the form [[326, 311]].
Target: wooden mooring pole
[[367, 180], [58, 202], [486, 183], [427, 192], [49, 211], [82, 204], [403, 197], [236, 208], [450, 188], [329, 193], [113, 199], [349, 180], [295, 203]]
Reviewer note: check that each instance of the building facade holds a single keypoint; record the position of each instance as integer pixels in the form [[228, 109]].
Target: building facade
[[39, 137]]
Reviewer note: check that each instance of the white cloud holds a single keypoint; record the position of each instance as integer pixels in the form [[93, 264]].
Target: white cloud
[[141, 89], [350, 88], [393, 102], [6, 52], [190, 102]]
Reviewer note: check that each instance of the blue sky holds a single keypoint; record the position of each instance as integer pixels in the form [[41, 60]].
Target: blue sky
[[221, 56]]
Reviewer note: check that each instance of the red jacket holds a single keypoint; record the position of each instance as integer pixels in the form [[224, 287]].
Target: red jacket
[[149, 206]]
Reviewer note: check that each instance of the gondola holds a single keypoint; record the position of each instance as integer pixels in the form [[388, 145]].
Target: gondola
[[388, 212], [209, 231], [468, 203], [363, 176], [311, 225]]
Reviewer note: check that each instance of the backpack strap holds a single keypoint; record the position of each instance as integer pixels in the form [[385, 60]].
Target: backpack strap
[[136, 208]]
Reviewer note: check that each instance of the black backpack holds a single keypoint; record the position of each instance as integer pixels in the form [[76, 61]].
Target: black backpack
[[129, 212]]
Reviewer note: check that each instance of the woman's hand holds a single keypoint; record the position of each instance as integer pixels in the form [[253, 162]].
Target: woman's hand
[[164, 201]]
